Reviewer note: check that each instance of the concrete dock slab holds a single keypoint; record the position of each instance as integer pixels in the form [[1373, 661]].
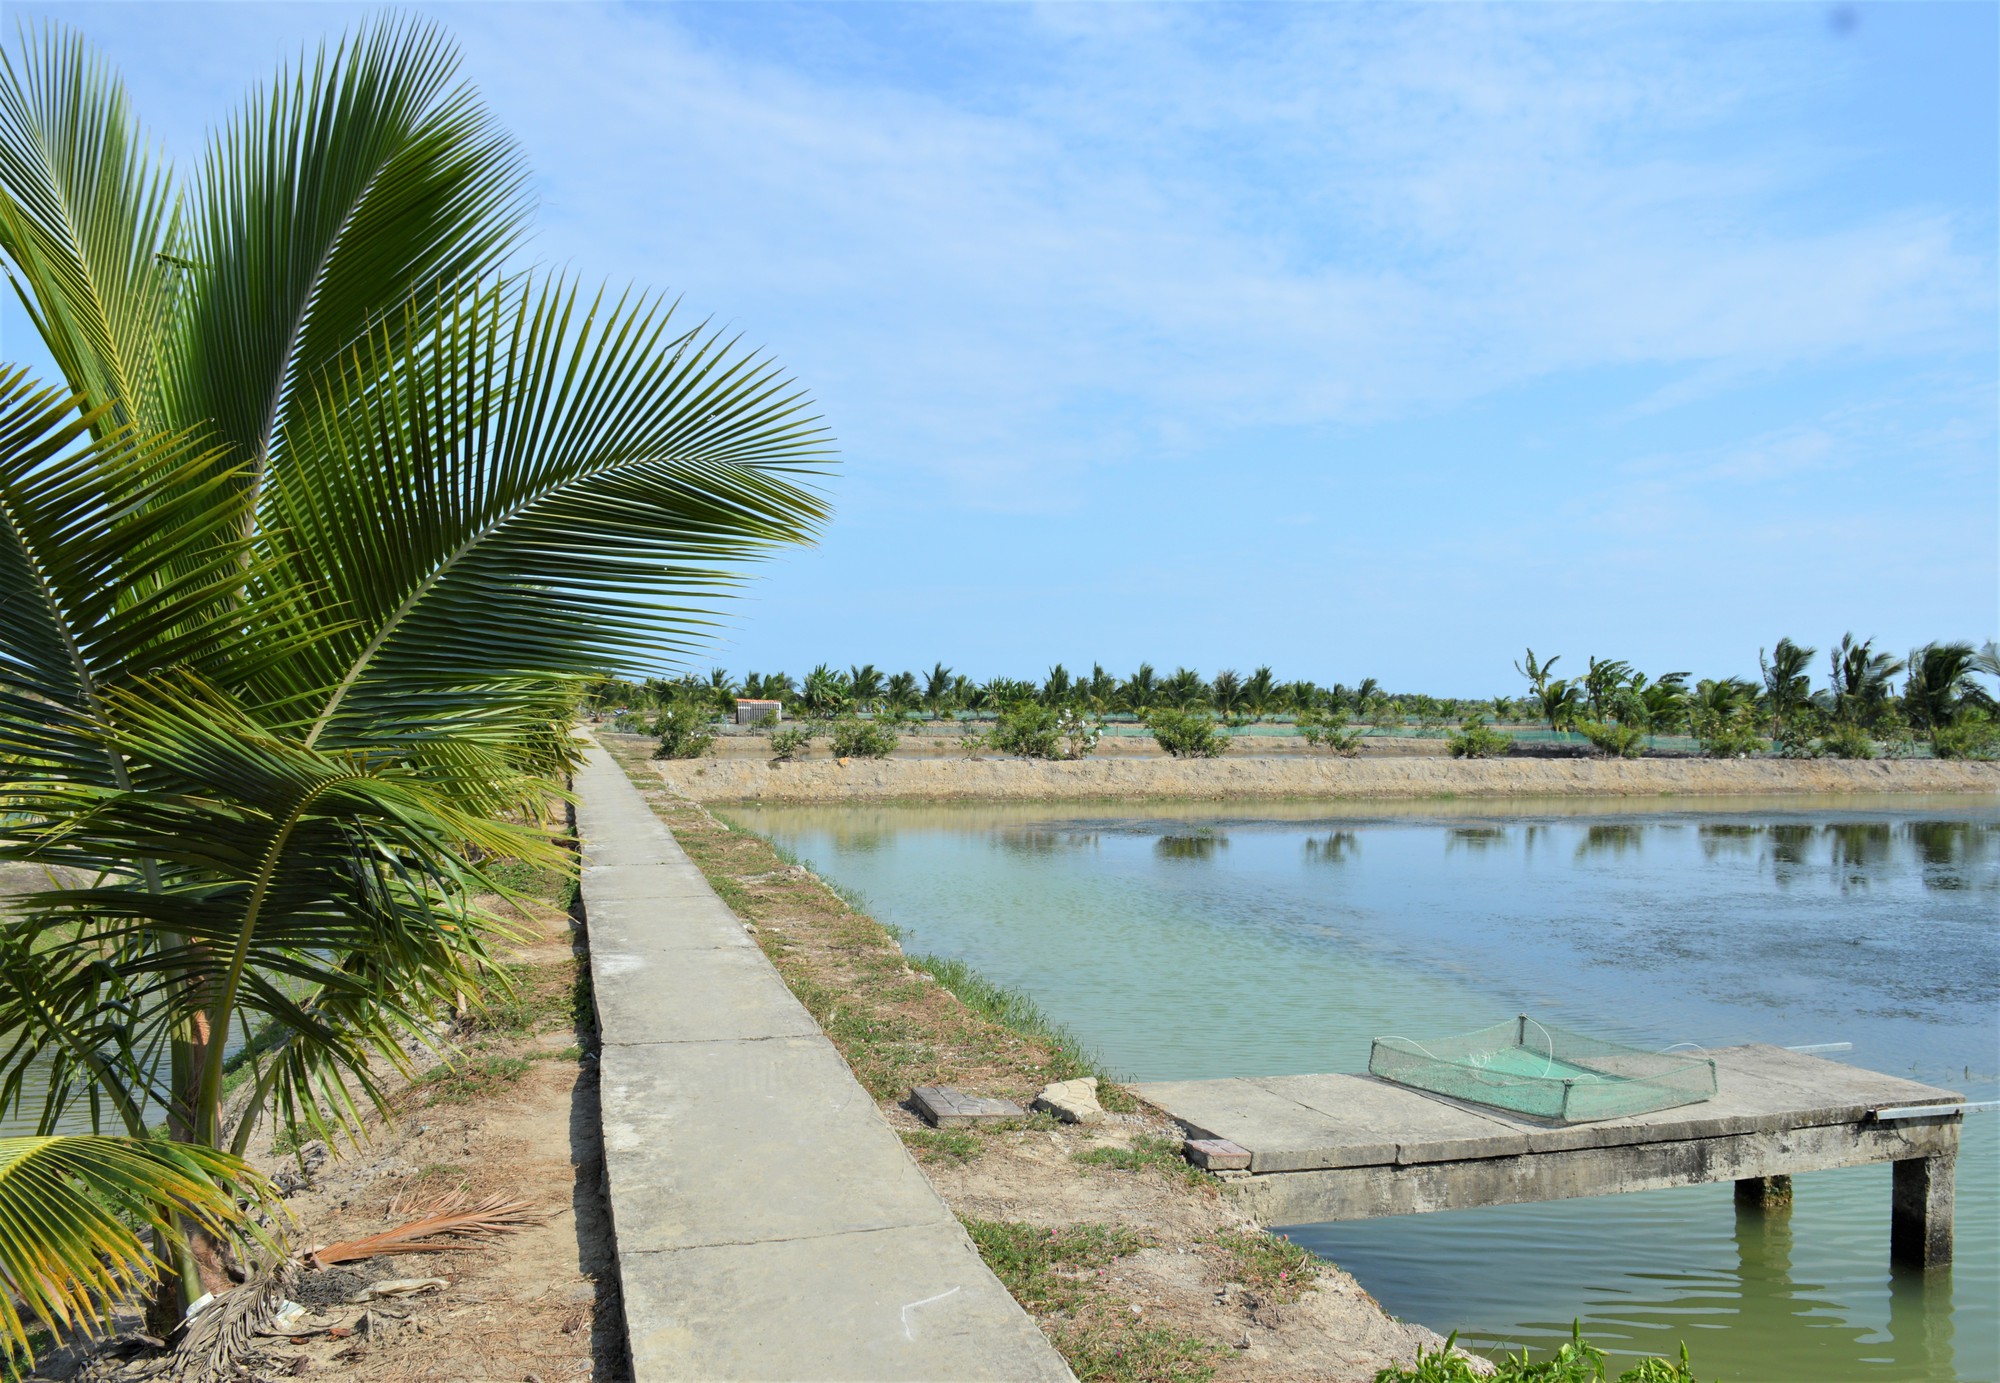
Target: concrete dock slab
[[770, 1225], [1338, 1147]]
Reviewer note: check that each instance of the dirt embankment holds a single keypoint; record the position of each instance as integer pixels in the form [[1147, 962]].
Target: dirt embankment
[[931, 779]]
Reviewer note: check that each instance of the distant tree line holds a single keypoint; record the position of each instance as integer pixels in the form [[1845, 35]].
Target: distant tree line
[[1870, 701]]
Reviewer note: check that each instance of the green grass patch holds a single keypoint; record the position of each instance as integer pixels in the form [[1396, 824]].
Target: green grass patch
[[1115, 1352], [1018, 1013], [570, 1053], [471, 1080], [1148, 1152], [553, 886], [947, 1145], [1269, 1263], [1046, 1269]]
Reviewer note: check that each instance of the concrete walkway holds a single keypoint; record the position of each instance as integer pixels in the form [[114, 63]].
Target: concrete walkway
[[770, 1225]]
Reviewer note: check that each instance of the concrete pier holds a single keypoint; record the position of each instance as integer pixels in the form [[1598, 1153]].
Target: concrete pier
[[770, 1225], [1354, 1147]]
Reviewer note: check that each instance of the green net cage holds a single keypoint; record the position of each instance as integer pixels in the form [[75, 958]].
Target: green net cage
[[1528, 1067]]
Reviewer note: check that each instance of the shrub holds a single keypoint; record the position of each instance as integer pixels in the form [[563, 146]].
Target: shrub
[[1043, 732], [1846, 740], [1971, 736], [1475, 741], [1327, 732], [684, 731], [1027, 731], [790, 742], [1186, 734], [855, 738], [1611, 738], [1727, 737], [1799, 736]]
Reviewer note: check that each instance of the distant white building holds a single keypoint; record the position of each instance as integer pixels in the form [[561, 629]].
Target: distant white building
[[757, 712]]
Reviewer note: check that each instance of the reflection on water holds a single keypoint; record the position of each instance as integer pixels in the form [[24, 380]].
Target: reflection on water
[[1870, 921], [1194, 845], [1335, 847]]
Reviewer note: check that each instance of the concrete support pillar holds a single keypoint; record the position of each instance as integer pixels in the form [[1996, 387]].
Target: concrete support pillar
[[1920, 1214], [1764, 1193]]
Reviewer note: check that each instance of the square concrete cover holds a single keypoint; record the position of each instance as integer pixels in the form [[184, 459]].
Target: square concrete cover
[[728, 1142], [904, 1304], [720, 993], [676, 924], [640, 876]]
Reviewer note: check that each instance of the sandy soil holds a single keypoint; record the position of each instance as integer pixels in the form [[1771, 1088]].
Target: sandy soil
[[905, 779], [1199, 1297]]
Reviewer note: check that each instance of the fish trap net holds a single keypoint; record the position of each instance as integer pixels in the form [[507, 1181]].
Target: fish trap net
[[1528, 1067]]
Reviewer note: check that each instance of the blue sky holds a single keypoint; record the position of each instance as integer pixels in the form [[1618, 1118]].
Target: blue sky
[[1363, 341]]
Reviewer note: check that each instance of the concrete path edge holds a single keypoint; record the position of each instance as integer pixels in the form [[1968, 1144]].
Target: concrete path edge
[[770, 1225]]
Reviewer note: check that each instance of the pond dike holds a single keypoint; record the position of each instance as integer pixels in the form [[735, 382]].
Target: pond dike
[[769, 1223], [1277, 776]]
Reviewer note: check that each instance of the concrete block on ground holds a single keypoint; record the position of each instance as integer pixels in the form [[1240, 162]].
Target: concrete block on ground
[[1072, 1101], [1216, 1155], [946, 1107]]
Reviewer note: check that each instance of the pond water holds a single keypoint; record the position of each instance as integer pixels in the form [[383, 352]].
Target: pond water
[[1190, 941]]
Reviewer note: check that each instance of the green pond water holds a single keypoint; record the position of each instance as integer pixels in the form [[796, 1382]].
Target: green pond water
[[1184, 941]]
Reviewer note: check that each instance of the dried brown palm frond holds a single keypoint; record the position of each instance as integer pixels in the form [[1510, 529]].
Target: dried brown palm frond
[[221, 1338], [447, 1223]]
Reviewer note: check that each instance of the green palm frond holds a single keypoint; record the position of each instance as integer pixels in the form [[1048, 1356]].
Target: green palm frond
[[117, 556], [89, 224], [321, 209], [322, 891], [71, 1214], [544, 484]]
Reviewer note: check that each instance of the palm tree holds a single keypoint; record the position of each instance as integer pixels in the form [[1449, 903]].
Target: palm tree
[[1940, 673], [1602, 683], [1986, 662], [1057, 687], [826, 691], [1100, 693], [306, 562], [865, 686], [937, 688], [1665, 702], [901, 692], [1787, 685], [1226, 691], [1184, 689], [1537, 673], [1260, 689], [1560, 702], [1140, 692], [1860, 681]]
